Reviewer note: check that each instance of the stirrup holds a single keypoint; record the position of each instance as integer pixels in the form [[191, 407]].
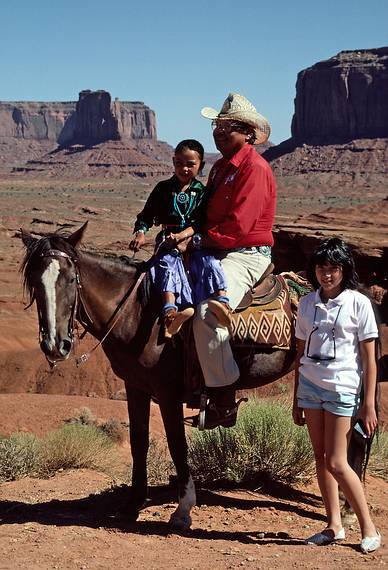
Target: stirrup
[[199, 419]]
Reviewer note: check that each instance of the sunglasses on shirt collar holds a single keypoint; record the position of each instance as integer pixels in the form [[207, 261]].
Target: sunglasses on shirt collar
[[319, 357]]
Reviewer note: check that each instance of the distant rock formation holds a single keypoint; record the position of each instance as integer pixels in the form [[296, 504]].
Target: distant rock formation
[[34, 120], [92, 120], [93, 137], [339, 142], [343, 98], [98, 120]]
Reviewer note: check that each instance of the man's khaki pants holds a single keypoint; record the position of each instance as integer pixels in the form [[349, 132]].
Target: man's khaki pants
[[242, 271]]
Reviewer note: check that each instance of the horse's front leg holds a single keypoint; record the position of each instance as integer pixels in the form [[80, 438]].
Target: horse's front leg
[[172, 414], [139, 419]]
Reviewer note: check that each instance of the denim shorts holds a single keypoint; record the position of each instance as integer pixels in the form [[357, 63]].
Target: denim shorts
[[314, 397]]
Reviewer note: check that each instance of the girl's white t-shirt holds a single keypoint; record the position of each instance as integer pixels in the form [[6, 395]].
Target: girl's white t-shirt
[[334, 328]]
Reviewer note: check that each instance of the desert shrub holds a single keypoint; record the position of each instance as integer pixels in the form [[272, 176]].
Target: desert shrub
[[76, 446], [114, 429], [73, 446], [159, 464], [265, 445], [19, 456], [378, 463], [83, 416]]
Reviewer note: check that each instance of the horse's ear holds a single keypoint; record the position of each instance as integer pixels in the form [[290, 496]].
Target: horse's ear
[[75, 238], [27, 238]]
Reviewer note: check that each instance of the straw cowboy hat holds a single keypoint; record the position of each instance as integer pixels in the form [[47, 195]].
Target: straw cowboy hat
[[237, 108]]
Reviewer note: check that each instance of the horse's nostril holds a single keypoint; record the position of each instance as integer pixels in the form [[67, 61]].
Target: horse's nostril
[[65, 347], [45, 346]]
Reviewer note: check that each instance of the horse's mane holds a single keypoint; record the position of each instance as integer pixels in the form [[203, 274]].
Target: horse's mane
[[124, 261], [38, 248]]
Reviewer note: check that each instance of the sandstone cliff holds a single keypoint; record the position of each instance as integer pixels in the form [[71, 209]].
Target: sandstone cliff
[[93, 137], [343, 98], [92, 119], [339, 144]]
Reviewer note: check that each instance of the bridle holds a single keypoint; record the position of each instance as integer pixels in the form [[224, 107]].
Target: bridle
[[55, 253], [79, 302]]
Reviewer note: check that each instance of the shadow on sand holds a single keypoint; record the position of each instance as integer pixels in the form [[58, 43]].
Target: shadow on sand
[[108, 509]]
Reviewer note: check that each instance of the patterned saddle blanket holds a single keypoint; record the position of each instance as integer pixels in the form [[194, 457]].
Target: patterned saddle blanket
[[267, 319]]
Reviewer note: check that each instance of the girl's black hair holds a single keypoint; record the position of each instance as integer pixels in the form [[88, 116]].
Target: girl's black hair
[[191, 144], [336, 252]]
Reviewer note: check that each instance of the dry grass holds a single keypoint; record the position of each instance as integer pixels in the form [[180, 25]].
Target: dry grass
[[378, 463]]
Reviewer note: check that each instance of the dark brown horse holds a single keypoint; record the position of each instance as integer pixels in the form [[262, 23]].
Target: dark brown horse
[[102, 293]]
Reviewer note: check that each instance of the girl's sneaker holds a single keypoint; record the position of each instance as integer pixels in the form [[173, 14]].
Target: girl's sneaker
[[370, 543]]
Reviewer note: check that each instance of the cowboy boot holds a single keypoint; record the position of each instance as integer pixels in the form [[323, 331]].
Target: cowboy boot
[[221, 409]]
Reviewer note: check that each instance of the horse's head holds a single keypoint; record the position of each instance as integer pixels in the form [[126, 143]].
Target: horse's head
[[51, 278]]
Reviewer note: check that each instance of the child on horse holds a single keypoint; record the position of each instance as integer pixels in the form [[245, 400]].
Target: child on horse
[[177, 205]]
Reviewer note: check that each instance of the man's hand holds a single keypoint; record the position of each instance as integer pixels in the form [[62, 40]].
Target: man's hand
[[179, 241], [137, 242]]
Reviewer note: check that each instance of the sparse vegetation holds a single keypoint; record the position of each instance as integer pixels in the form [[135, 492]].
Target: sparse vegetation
[[264, 445], [112, 428], [159, 464], [378, 464], [73, 446], [19, 456]]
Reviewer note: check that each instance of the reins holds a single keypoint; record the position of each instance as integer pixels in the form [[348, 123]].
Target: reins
[[80, 302], [116, 315]]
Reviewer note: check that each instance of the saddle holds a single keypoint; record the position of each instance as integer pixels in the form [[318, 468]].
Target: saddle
[[264, 291], [263, 319]]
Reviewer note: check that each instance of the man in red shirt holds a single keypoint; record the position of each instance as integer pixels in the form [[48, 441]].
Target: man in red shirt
[[238, 229]]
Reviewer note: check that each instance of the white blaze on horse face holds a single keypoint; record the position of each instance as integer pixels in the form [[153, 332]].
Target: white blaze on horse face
[[49, 280]]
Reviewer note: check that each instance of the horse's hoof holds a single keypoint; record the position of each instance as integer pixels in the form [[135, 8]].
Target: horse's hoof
[[180, 522]]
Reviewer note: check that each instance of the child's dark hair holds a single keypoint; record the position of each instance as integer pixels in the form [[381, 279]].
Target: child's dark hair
[[336, 252], [191, 144]]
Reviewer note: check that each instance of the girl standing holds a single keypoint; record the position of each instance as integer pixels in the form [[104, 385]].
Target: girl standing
[[336, 332]]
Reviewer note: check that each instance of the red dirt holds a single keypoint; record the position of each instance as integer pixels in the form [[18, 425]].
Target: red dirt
[[66, 522]]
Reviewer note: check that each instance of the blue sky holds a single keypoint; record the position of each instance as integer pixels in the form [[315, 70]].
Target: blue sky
[[179, 56]]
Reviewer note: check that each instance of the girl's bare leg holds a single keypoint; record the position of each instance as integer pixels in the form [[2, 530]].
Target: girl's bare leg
[[337, 432], [315, 420]]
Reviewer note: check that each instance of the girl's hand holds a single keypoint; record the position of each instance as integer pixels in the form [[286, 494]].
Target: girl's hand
[[137, 242], [171, 240], [298, 416], [368, 415]]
